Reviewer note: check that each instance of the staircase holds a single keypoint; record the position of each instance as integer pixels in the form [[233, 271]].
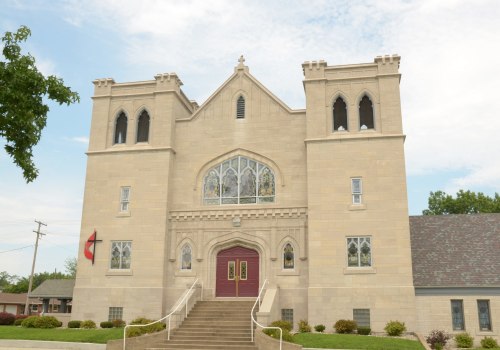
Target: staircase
[[213, 325]]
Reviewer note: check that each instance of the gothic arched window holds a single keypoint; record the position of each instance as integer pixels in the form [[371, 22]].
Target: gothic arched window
[[288, 257], [121, 128], [366, 113], [239, 180], [240, 107], [339, 115], [186, 257], [143, 127]]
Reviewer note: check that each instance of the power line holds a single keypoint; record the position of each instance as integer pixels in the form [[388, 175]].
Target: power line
[[11, 250], [38, 234]]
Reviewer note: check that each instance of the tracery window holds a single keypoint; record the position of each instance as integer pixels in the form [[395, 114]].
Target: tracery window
[[366, 113], [359, 252], [121, 128], [143, 127], [240, 107], [121, 254], [339, 115], [239, 180], [186, 257], [288, 257]]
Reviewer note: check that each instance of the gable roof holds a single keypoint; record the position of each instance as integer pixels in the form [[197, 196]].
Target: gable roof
[[456, 250], [13, 298], [62, 288]]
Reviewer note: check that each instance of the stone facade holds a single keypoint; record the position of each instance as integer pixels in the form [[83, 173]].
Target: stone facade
[[332, 188]]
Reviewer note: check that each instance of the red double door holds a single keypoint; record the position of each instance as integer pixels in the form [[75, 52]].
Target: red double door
[[237, 273]]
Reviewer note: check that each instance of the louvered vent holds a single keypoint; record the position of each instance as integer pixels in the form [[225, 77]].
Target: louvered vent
[[240, 107]]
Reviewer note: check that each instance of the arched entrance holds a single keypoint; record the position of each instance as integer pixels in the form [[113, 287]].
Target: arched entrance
[[237, 273]]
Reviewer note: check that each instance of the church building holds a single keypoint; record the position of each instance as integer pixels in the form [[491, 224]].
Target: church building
[[243, 189]]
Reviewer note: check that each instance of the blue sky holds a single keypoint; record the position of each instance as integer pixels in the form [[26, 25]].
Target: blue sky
[[450, 69]]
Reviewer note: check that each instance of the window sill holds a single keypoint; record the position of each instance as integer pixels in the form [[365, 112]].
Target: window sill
[[118, 272], [354, 207], [185, 273], [288, 273], [124, 214], [486, 333], [359, 270]]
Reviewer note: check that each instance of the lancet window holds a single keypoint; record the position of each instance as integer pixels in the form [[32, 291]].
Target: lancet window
[[186, 257], [121, 128], [288, 257], [240, 107], [339, 115], [143, 127], [239, 180], [366, 113]]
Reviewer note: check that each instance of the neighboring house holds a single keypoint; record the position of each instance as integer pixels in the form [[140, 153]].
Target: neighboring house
[[55, 296], [13, 303], [244, 189], [456, 273]]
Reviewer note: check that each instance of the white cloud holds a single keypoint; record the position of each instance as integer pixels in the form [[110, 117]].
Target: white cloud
[[78, 139], [449, 51]]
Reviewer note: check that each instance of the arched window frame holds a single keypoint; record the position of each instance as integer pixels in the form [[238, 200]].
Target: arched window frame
[[233, 169], [121, 122], [186, 265], [360, 123], [142, 114], [240, 107], [334, 101], [288, 263]]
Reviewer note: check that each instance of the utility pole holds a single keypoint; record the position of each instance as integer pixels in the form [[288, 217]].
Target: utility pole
[[38, 235]]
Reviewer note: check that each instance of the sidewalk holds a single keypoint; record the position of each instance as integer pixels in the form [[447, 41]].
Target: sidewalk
[[48, 345]]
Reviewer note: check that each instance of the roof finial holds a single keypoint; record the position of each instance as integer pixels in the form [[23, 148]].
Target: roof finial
[[241, 60]]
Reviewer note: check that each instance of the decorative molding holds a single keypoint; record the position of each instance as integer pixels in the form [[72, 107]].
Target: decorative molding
[[225, 214]]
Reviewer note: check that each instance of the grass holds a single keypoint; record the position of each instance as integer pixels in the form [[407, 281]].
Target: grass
[[99, 336], [351, 341]]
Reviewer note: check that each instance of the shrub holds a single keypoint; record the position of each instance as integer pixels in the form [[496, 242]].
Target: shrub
[[285, 326], [29, 322], [20, 319], [489, 343], [74, 324], [395, 328], [464, 340], [134, 332], [345, 326], [304, 326], [437, 339], [118, 323], [47, 322], [106, 324], [88, 324], [364, 330], [155, 327], [7, 319], [319, 328]]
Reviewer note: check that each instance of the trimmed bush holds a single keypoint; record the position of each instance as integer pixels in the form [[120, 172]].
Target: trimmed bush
[[29, 322], [7, 319], [118, 323], [88, 324], [395, 328], [285, 326], [47, 322], [106, 324], [345, 326], [464, 340], [320, 328], [20, 319], [135, 331], [74, 324], [304, 326], [437, 339], [364, 330], [489, 343]]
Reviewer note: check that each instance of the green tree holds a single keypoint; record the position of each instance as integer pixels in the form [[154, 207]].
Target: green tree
[[21, 286], [7, 280], [70, 265], [23, 114], [465, 202]]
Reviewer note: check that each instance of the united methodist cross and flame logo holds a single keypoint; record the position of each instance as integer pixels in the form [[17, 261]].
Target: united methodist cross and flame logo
[[91, 241]]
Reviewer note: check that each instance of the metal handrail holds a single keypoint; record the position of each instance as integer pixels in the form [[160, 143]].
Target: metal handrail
[[163, 318], [252, 319]]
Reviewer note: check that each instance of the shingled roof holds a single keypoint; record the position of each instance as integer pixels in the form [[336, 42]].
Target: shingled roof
[[456, 250], [55, 289]]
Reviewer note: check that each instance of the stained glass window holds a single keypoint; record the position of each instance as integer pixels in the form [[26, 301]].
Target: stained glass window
[[457, 315], [121, 254], [483, 308], [186, 257], [359, 252], [243, 270], [230, 270], [239, 180], [288, 257], [121, 128]]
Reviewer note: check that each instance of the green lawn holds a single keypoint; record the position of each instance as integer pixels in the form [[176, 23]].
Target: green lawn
[[351, 341], [100, 336]]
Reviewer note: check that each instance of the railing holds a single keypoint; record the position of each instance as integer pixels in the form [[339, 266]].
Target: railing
[[169, 316], [252, 319]]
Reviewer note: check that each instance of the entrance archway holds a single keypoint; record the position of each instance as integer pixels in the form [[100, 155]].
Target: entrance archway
[[237, 273]]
